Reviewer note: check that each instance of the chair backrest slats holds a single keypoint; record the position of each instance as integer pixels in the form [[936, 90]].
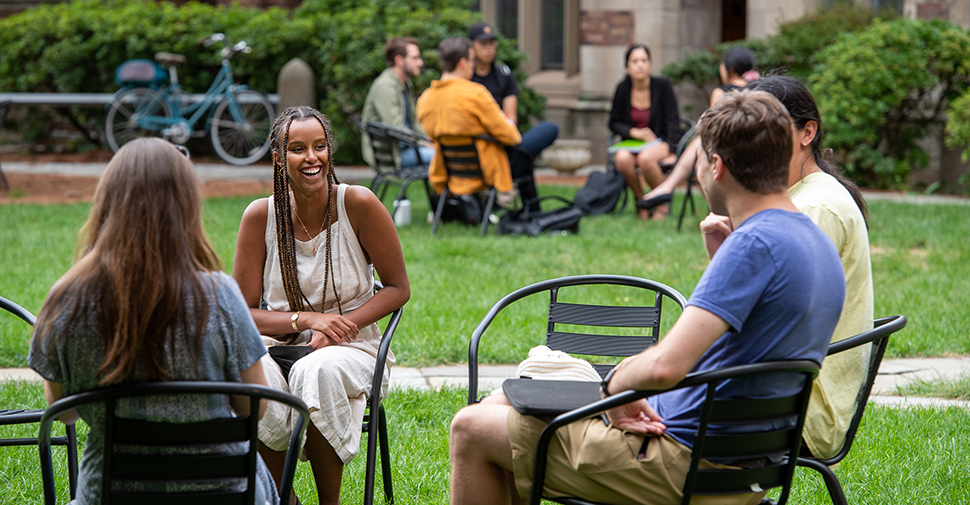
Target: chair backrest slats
[[600, 315], [748, 409], [598, 345], [141, 467], [383, 147], [719, 482], [748, 445], [166, 499], [461, 160], [217, 431]]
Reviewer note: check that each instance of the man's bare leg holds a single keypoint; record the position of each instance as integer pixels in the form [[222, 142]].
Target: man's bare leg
[[481, 456]]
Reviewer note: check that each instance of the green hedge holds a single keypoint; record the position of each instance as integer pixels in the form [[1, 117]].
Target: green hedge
[[76, 46], [880, 89]]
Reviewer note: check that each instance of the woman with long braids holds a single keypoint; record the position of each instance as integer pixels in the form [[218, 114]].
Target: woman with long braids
[[836, 205], [305, 262], [146, 302]]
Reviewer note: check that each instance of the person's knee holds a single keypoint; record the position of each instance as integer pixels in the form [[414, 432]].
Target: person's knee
[[624, 160], [470, 428]]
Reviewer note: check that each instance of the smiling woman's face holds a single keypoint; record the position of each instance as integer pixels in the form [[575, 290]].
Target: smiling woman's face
[[307, 155]]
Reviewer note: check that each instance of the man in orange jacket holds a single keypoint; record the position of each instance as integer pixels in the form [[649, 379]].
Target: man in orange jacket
[[456, 107]]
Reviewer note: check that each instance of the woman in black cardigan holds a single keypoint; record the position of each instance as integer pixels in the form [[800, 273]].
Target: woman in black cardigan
[[645, 108]]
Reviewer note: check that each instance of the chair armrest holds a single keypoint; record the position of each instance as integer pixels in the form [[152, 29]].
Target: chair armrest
[[883, 326]]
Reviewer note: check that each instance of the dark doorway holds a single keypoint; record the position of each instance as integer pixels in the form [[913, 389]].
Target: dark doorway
[[733, 20]]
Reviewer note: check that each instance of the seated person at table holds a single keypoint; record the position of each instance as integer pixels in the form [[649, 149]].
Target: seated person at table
[[454, 106], [146, 302], [644, 108], [773, 291], [391, 100], [499, 81]]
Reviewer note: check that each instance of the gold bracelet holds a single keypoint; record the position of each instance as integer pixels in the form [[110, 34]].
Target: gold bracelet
[[293, 318]]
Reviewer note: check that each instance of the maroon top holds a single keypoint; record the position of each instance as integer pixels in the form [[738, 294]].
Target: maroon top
[[640, 117]]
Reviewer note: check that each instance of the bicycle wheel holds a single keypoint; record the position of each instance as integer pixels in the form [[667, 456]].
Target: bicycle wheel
[[243, 140], [121, 123]]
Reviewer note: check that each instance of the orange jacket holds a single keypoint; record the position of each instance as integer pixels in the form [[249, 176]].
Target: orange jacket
[[461, 108]]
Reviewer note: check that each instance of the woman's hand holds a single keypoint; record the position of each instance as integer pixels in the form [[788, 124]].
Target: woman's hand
[[637, 417], [644, 134], [328, 329]]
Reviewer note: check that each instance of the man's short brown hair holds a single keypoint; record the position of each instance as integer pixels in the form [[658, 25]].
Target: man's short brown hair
[[451, 51], [751, 132], [397, 46]]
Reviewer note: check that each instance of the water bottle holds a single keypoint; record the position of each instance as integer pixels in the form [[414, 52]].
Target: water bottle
[[402, 212]]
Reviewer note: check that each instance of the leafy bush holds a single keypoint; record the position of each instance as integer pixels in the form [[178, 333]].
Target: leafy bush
[[878, 90], [76, 46]]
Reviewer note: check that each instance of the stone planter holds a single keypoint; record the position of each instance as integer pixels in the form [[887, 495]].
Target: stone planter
[[567, 155]]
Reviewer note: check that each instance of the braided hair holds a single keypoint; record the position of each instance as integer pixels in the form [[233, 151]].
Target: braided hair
[[286, 241]]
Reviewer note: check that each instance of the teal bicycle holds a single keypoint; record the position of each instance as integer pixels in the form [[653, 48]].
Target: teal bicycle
[[151, 103]]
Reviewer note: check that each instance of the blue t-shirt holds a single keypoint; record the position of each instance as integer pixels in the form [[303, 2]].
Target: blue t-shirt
[[777, 281]]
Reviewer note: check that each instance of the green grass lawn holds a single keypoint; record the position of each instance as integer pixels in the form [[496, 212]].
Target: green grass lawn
[[912, 456], [920, 270]]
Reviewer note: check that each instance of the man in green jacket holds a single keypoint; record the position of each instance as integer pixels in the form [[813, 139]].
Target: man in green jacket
[[391, 101]]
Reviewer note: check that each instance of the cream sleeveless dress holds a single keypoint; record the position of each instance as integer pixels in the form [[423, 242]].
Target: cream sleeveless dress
[[333, 381]]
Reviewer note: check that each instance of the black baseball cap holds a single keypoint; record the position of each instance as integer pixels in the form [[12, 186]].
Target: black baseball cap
[[481, 31]]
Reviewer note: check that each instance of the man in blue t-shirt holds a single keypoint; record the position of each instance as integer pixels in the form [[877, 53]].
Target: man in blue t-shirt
[[773, 290]]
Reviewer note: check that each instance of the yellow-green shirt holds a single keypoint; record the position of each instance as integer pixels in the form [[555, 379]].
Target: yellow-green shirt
[[835, 392]]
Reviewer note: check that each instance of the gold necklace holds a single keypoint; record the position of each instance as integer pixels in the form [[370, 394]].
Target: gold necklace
[[313, 239]]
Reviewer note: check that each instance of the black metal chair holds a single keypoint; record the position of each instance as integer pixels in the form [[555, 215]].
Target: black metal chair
[[879, 337], [140, 459], [584, 335], [383, 138], [771, 455], [30, 416], [4, 185], [376, 429], [462, 161]]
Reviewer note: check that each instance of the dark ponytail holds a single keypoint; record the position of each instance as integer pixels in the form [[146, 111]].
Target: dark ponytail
[[802, 109]]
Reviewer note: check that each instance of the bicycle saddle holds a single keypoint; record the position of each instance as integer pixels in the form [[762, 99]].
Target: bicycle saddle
[[169, 58]]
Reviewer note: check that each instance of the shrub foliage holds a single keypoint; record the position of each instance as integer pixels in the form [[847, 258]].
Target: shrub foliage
[[76, 46], [880, 89]]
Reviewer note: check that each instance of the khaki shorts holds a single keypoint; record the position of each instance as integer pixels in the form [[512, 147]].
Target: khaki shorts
[[589, 460]]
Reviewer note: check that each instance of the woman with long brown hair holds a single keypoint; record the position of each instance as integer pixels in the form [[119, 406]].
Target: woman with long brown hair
[[305, 262], [146, 301]]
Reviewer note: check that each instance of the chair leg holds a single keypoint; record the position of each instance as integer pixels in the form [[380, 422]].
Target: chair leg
[[370, 468], [488, 211], [375, 184], [831, 481], [385, 457], [72, 459], [438, 210], [683, 206]]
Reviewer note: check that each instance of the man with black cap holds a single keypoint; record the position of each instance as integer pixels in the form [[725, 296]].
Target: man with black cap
[[499, 81]]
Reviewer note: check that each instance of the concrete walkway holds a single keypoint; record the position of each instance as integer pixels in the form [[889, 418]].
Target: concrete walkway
[[893, 373]]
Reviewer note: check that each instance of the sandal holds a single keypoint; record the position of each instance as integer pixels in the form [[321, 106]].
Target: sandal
[[653, 202], [660, 212]]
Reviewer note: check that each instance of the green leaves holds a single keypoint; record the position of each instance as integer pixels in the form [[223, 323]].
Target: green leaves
[[879, 90], [76, 46]]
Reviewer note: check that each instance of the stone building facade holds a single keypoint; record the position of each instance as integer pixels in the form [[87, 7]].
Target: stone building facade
[[580, 77]]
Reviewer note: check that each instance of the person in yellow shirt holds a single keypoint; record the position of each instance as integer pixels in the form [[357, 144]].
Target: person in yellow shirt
[[456, 108], [836, 205]]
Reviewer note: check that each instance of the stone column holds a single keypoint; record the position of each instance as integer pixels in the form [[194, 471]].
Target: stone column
[[296, 85]]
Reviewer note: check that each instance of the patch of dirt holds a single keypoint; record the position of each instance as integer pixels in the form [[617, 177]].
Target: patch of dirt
[[48, 189]]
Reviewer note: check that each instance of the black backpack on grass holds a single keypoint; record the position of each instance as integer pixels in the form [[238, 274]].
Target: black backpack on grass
[[602, 192]]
